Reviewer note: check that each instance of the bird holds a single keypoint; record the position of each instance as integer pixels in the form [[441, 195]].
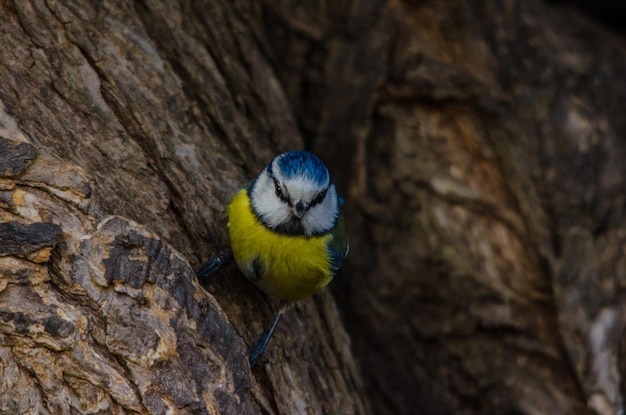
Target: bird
[[287, 233]]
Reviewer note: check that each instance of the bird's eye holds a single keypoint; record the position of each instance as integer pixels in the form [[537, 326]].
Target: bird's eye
[[319, 198], [279, 191]]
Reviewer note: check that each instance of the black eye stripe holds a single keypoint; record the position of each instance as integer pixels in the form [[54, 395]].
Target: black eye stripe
[[320, 197], [279, 192]]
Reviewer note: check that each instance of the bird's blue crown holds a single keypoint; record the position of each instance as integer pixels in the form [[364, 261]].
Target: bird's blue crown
[[302, 163]]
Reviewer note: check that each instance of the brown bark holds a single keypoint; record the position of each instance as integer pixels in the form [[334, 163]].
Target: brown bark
[[125, 129], [480, 148]]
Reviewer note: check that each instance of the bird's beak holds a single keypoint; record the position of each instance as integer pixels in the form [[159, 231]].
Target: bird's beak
[[299, 209]]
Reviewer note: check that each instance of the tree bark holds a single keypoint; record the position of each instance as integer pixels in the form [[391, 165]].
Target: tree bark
[[480, 150]]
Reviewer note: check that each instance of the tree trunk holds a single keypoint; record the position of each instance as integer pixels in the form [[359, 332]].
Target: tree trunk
[[479, 147]]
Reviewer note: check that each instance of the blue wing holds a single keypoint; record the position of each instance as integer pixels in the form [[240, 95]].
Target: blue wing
[[338, 248]]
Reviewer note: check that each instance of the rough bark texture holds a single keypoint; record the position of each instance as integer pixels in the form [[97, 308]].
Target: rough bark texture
[[479, 145]]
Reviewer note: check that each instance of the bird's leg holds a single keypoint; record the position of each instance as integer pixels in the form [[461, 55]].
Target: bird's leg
[[207, 269], [257, 350]]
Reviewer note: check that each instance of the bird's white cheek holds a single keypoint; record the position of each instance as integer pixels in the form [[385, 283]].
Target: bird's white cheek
[[321, 218], [272, 210]]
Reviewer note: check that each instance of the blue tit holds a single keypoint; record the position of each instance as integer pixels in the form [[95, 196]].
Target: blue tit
[[286, 232]]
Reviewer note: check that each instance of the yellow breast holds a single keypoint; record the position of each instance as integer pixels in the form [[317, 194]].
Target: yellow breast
[[284, 266]]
